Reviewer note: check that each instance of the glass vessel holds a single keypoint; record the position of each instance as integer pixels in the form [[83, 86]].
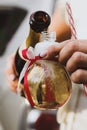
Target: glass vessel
[[48, 82]]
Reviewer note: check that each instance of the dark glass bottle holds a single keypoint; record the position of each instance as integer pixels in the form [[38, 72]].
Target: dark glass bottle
[[39, 21]]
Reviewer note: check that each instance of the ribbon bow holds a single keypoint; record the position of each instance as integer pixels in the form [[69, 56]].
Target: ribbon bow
[[30, 56]]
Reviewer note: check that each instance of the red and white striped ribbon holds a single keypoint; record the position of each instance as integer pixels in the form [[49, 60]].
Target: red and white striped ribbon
[[71, 20], [73, 29]]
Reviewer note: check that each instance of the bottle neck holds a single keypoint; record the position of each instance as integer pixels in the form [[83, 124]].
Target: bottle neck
[[48, 36], [32, 38]]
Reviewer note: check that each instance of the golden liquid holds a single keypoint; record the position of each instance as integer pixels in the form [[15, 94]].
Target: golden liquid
[[49, 84], [32, 39]]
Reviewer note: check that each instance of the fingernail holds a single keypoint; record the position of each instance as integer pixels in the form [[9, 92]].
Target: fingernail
[[43, 54], [12, 77]]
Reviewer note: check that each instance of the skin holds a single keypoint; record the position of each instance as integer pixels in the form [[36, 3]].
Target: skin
[[59, 25], [71, 53], [11, 74]]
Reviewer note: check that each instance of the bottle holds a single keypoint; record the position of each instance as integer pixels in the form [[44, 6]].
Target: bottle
[[48, 81], [39, 21]]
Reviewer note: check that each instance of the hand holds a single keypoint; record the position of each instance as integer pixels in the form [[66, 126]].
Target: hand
[[73, 54], [11, 74]]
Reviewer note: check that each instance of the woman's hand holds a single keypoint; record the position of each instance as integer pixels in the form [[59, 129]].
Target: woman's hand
[[73, 54], [11, 74]]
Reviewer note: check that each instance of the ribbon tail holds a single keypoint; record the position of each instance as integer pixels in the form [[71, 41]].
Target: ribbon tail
[[22, 75], [26, 86]]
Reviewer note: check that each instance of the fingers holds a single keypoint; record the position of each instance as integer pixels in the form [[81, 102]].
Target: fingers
[[11, 74], [77, 67], [79, 76], [73, 54], [12, 84], [67, 51], [53, 50], [76, 61], [10, 67], [70, 48]]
